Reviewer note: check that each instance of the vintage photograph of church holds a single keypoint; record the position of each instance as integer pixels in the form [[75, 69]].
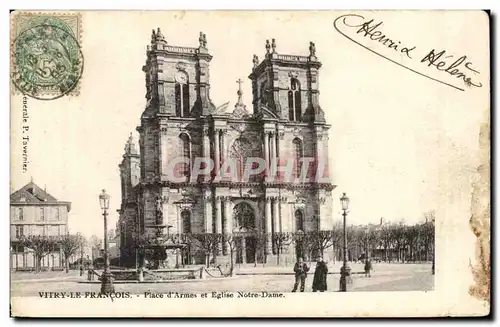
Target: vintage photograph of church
[[244, 218]]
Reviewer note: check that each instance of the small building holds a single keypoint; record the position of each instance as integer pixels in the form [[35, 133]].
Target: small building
[[33, 211]]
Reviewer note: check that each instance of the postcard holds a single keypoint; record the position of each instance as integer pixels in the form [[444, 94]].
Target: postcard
[[250, 164]]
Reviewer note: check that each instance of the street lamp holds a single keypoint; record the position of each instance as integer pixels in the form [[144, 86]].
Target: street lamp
[[107, 276], [345, 271], [300, 244]]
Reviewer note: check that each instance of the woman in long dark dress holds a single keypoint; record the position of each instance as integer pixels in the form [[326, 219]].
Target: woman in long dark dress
[[320, 274]]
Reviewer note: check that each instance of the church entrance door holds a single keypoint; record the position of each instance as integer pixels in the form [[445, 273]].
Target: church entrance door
[[244, 222], [250, 246]]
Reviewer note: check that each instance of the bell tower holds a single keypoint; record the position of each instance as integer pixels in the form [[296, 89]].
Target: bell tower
[[286, 86], [177, 78], [129, 170]]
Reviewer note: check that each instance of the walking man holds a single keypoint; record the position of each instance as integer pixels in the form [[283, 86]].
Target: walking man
[[300, 270]]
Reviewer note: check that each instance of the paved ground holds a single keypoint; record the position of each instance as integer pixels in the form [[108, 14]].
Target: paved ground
[[28, 276], [386, 277]]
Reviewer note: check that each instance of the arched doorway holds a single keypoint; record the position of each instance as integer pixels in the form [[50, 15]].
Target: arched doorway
[[244, 223], [240, 151]]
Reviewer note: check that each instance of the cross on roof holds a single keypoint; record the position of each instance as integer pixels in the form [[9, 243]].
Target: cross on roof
[[240, 93]]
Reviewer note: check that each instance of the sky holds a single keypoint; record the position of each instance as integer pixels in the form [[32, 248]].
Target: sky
[[400, 144]]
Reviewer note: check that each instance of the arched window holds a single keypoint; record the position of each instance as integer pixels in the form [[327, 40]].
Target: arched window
[[243, 216], [186, 153], [181, 95], [186, 221], [263, 93], [299, 220], [298, 153], [240, 151], [294, 101]]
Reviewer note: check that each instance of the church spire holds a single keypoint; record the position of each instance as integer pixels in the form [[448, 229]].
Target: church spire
[[240, 110]]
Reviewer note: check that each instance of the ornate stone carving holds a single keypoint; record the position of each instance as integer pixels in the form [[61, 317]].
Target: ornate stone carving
[[185, 206], [222, 109], [281, 135], [296, 131], [293, 74], [181, 66], [255, 61], [300, 200], [239, 127], [203, 40], [312, 49]]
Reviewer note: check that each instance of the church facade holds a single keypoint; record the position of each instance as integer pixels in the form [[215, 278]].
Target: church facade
[[180, 125]]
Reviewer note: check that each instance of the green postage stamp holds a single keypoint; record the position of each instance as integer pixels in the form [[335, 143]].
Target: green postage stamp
[[46, 55]]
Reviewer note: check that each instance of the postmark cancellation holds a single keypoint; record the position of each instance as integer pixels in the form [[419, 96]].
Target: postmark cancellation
[[46, 55]]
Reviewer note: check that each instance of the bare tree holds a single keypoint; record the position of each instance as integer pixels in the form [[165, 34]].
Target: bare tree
[[209, 244], [281, 241], [41, 246], [69, 245], [337, 237], [320, 241]]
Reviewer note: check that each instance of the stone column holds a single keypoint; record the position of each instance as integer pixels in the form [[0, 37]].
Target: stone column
[[218, 219], [266, 153], [228, 218], [223, 146], [206, 149], [162, 150], [208, 214], [268, 225], [272, 163], [320, 158], [217, 151], [164, 205], [276, 218]]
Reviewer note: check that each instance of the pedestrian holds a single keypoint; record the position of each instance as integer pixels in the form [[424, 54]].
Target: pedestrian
[[300, 270], [320, 274], [81, 269], [90, 275], [368, 268]]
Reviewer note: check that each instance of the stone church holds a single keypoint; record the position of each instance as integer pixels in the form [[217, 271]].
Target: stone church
[[286, 123]]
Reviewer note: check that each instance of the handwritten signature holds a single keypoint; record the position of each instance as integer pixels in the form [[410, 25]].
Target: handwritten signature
[[460, 68]]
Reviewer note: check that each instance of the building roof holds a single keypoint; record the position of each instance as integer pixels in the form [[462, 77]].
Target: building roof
[[33, 194]]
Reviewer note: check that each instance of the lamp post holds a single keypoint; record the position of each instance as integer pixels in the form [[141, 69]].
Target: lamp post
[[300, 244], [345, 271], [107, 276]]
